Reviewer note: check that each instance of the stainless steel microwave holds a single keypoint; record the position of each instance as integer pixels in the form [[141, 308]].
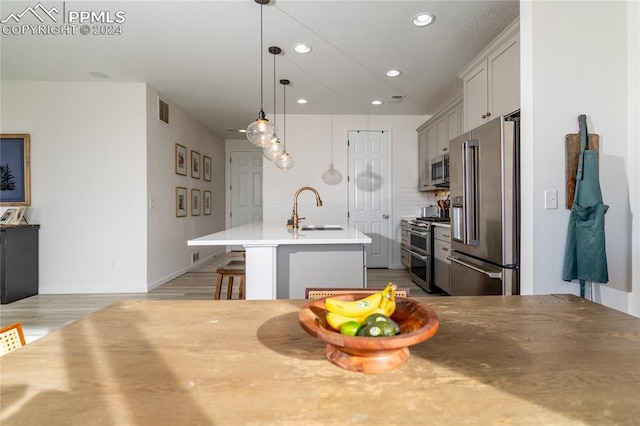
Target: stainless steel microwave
[[440, 170]]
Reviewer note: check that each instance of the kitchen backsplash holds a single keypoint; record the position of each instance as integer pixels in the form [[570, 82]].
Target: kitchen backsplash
[[412, 200]]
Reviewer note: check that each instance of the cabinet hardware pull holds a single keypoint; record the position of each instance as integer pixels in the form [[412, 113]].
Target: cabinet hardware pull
[[484, 115], [488, 114], [445, 249]]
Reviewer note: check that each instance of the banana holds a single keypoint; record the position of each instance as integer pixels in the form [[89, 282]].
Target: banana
[[355, 308], [388, 302], [336, 320]]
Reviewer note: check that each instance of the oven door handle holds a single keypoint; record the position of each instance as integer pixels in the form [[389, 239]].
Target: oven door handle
[[418, 255], [490, 274], [419, 234]]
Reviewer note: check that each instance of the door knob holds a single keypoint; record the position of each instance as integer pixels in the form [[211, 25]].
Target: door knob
[[385, 216]]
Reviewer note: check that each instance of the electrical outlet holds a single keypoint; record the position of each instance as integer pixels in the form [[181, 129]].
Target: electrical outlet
[[195, 256], [550, 199]]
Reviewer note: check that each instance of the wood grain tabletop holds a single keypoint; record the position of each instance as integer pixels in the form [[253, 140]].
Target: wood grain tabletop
[[517, 360]]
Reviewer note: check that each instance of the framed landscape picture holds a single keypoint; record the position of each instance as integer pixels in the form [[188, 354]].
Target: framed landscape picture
[[206, 164], [15, 170], [181, 201], [195, 202], [181, 160], [206, 202], [195, 164]]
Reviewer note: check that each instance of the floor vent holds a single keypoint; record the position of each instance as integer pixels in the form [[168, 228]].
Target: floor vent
[[396, 98], [163, 111]]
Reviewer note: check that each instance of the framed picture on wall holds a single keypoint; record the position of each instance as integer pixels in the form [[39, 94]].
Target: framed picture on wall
[[15, 170], [206, 202], [181, 160], [195, 202], [7, 216], [195, 164], [181, 201], [206, 164]]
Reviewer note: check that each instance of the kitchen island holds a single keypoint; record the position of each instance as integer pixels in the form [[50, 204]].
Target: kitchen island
[[496, 360], [281, 262]]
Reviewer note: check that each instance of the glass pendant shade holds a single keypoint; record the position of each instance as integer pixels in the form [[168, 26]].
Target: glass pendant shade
[[261, 132], [285, 162], [274, 151]]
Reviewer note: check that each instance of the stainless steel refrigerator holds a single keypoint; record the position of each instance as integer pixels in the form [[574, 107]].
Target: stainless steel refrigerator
[[485, 217]]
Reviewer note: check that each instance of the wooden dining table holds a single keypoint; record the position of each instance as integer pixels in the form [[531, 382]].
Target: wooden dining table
[[495, 360]]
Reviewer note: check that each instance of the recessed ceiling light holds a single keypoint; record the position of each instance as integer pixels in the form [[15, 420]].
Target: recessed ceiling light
[[376, 102], [302, 101], [302, 48], [423, 19], [98, 74], [393, 73]]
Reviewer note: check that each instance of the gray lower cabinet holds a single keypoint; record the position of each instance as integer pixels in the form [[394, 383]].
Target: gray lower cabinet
[[441, 250], [18, 262], [405, 257]]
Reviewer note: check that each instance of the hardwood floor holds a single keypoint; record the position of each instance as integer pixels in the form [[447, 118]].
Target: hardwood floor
[[44, 313]]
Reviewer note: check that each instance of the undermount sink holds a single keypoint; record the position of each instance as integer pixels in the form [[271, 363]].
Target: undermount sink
[[321, 228]]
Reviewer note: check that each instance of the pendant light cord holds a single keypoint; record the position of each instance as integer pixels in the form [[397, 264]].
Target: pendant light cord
[[261, 66], [274, 90]]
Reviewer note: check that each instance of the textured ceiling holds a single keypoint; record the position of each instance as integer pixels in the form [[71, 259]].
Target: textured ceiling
[[205, 55]]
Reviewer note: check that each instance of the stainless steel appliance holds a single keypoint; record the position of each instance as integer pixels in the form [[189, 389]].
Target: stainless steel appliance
[[421, 251], [430, 211], [485, 219], [440, 170]]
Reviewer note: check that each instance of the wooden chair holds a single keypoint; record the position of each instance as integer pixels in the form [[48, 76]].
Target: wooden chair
[[11, 338], [317, 292], [233, 269]]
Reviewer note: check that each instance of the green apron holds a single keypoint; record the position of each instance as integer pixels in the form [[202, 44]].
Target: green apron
[[585, 258]]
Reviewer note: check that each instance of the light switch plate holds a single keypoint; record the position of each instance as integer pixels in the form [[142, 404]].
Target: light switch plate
[[550, 199]]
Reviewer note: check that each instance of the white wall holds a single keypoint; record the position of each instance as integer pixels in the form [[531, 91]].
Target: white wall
[[99, 156], [312, 155], [168, 253], [580, 58], [88, 181]]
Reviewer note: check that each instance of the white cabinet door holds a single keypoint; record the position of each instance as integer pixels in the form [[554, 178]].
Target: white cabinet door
[[432, 146], [475, 97], [442, 146], [453, 125], [504, 79], [423, 161]]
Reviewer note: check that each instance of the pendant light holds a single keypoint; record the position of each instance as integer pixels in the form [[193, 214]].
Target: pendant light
[[275, 149], [261, 132], [332, 176], [285, 162]]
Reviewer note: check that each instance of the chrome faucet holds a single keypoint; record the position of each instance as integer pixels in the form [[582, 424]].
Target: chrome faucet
[[295, 220]]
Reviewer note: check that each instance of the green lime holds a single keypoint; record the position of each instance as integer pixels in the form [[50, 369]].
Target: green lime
[[350, 328]]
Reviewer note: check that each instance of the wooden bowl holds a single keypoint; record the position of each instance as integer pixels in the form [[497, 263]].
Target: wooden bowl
[[417, 324]]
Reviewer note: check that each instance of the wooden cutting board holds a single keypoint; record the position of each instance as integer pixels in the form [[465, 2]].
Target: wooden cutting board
[[572, 149]]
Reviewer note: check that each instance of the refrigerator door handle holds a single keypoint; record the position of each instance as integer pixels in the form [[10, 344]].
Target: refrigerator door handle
[[470, 192], [490, 274]]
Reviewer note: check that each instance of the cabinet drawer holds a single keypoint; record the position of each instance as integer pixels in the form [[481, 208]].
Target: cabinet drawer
[[405, 258], [442, 233], [441, 250]]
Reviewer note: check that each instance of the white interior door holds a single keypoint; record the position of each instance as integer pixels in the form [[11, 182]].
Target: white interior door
[[245, 191], [369, 192]]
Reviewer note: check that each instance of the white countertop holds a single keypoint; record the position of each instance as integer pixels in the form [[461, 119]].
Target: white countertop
[[260, 233]]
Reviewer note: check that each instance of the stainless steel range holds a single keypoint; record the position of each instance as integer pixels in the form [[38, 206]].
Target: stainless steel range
[[421, 251]]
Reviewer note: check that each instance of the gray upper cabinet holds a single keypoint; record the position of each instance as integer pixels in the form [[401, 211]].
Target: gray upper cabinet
[[492, 80], [433, 139]]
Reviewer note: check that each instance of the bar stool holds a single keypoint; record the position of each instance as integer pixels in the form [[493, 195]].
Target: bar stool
[[231, 270]]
